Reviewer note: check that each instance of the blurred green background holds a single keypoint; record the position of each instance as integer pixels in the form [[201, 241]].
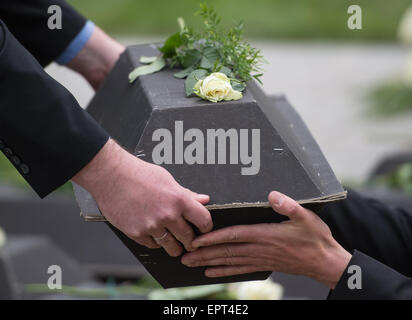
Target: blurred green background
[[325, 19], [264, 19]]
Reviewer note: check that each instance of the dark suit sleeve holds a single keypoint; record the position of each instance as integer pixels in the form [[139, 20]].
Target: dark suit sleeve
[[383, 236], [27, 21], [378, 282], [382, 232], [43, 131]]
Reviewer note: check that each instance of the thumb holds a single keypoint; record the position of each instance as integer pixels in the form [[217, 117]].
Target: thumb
[[202, 198], [286, 206]]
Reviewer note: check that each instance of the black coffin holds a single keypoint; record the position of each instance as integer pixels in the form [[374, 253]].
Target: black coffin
[[235, 151]]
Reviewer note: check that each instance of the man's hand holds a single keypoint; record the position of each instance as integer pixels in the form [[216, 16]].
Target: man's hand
[[97, 57], [143, 200], [302, 245]]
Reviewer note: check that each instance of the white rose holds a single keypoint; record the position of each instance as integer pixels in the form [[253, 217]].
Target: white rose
[[216, 87], [407, 72], [2, 238], [257, 290], [405, 27]]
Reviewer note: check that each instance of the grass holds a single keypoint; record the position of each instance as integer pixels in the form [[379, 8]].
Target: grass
[[297, 19]]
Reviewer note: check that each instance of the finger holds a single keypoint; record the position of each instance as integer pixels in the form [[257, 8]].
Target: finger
[[234, 261], [226, 271], [219, 251], [147, 242], [197, 214], [229, 235], [229, 261], [183, 232], [202, 198], [169, 243], [286, 206]]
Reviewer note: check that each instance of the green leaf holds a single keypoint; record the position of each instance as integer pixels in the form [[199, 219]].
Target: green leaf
[[184, 73], [155, 66], [144, 59], [192, 79], [181, 23], [191, 58], [226, 71], [206, 64], [217, 47], [171, 44], [210, 57], [238, 86]]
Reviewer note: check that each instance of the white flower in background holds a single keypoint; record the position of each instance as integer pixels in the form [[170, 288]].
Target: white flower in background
[[405, 27], [407, 72], [216, 87], [2, 237], [257, 290]]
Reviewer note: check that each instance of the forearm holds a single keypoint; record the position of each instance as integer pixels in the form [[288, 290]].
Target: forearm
[[97, 57], [104, 170]]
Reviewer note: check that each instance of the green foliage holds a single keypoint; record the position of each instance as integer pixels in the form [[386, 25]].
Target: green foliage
[[401, 179], [192, 79], [144, 59], [209, 50], [184, 73], [213, 48], [170, 45], [158, 64], [390, 99]]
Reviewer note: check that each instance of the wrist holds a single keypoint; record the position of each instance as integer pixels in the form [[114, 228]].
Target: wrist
[[334, 263], [99, 172]]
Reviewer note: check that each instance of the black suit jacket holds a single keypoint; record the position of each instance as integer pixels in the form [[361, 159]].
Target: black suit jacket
[[27, 21], [380, 238], [43, 131]]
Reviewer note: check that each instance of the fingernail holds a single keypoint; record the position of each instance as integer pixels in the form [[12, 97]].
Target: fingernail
[[197, 243], [209, 273], [176, 253], [279, 199]]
